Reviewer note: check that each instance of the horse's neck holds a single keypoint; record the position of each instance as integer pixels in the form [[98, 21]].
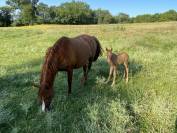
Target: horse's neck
[[48, 78], [112, 59]]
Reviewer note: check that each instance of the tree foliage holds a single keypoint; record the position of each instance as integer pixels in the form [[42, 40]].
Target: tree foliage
[[5, 16], [170, 15], [27, 8], [122, 18], [26, 12]]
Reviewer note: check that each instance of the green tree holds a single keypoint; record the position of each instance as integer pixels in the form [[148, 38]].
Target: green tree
[[43, 13], [27, 10], [74, 13], [143, 18], [170, 15], [103, 16], [122, 18], [5, 16]]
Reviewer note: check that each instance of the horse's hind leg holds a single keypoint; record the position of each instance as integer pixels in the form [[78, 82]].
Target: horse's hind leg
[[70, 75], [89, 65], [84, 78]]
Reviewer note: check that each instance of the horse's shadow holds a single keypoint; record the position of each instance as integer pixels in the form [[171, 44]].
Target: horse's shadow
[[175, 126], [65, 109]]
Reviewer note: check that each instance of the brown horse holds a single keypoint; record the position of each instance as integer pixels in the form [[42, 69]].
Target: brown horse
[[65, 55], [114, 60]]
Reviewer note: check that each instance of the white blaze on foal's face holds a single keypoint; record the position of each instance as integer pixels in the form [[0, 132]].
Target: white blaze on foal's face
[[43, 106]]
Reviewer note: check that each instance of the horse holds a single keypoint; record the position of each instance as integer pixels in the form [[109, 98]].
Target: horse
[[114, 60], [65, 55]]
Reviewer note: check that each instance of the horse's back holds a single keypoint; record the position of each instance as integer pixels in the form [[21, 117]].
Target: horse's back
[[122, 57], [84, 45], [78, 50]]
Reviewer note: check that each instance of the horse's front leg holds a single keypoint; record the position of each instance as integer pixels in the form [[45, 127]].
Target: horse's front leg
[[114, 74], [70, 75], [84, 78]]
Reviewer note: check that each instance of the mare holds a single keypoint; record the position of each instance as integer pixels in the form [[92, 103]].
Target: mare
[[65, 55]]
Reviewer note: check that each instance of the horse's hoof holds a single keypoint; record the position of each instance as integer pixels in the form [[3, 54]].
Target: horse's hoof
[[82, 82], [69, 94]]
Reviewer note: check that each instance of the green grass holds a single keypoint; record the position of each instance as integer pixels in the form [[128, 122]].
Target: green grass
[[148, 103]]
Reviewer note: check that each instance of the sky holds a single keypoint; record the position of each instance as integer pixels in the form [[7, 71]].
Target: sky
[[131, 7]]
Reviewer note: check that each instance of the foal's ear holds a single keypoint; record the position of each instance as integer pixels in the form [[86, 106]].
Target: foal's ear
[[107, 49], [111, 49]]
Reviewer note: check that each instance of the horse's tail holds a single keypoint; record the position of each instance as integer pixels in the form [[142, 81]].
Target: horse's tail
[[98, 49]]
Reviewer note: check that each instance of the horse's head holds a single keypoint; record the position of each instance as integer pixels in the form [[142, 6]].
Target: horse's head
[[45, 97], [48, 73]]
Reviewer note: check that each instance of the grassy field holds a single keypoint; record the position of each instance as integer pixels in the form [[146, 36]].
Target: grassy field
[[148, 103]]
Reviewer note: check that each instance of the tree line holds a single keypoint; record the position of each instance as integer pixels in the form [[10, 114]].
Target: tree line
[[29, 12]]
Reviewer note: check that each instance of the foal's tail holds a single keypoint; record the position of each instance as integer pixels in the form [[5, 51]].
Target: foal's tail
[[98, 49]]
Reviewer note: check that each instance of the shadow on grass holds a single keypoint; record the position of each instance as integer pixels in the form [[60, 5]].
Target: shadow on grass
[[176, 126], [23, 113]]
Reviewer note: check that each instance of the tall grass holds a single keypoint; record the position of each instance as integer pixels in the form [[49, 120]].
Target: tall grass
[[148, 103]]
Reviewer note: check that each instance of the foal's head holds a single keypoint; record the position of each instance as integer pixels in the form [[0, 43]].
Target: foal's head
[[109, 52]]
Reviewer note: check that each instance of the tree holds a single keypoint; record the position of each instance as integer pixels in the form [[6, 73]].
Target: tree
[[5, 16], [122, 18], [103, 16], [170, 15], [27, 10], [74, 13], [43, 14], [143, 18]]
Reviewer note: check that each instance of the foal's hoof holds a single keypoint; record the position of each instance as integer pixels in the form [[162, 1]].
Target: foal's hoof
[[126, 81], [112, 85], [107, 82]]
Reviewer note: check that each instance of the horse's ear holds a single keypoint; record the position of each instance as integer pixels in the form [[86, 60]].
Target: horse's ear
[[111, 49], [106, 49]]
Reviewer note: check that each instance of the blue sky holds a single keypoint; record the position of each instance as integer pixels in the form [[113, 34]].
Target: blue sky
[[131, 7]]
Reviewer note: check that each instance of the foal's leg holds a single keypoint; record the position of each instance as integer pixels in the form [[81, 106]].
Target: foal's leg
[[70, 75], [114, 74], [126, 72], [110, 73]]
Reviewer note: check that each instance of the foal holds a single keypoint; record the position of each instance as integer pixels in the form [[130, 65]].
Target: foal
[[114, 60]]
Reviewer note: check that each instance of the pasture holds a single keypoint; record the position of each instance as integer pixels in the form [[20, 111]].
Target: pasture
[[148, 103]]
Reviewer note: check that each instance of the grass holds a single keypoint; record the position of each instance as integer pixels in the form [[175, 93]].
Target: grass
[[148, 103]]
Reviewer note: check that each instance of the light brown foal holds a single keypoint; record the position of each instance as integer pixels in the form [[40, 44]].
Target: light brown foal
[[114, 60]]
